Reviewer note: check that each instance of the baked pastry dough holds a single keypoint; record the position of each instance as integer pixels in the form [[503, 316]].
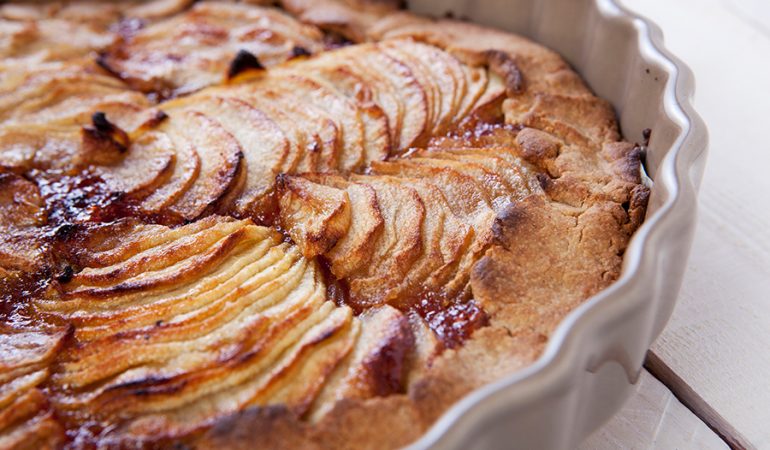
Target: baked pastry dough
[[316, 226]]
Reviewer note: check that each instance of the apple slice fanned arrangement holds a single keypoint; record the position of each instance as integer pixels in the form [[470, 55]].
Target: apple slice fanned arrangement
[[409, 225], [221, 149], [222, 213], [177, 327]]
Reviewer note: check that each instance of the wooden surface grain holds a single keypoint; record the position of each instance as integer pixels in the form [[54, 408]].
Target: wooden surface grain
[[714, 354]]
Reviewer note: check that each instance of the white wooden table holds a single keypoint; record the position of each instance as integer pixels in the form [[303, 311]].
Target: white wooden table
[[707, 383]]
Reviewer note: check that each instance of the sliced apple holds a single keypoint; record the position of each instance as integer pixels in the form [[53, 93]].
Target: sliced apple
[[519, 175], [439, 69], [399, 245], [186, 336], [340, 108], [160, 256], [148, 163], [394, 86], [187, 166], [346, 151], [322, 136], [209, 297], [25, 147], [465, 197], [413, 124], [366, 84], [210, 172], [476, 79], [193, 50], [44, 40], [424, 78], [265, 148], [377, 139], [284, 118], [355, 248], [378, 364], [20, 203], [492, 95], [25, 415], [446, 238], [492, 184], [463, 192], [28, 423], [316, 216], [112, 243], [315, 350], [68, 101], [583, 120]]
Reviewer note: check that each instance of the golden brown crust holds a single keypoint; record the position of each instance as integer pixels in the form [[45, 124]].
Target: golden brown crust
[[460, 188]]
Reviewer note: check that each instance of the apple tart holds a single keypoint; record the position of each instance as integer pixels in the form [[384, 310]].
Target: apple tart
[[316, 224]]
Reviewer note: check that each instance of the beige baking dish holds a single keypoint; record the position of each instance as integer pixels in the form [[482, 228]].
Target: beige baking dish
[[596, 355]]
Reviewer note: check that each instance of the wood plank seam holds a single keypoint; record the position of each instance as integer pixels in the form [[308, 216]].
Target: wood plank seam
[[695, 403], [663, 414]]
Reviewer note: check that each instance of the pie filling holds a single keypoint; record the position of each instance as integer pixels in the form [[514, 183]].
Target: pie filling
[[317, 213]]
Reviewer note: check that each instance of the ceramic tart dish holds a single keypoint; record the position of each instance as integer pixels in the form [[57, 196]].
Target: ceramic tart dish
[[334, 224]]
